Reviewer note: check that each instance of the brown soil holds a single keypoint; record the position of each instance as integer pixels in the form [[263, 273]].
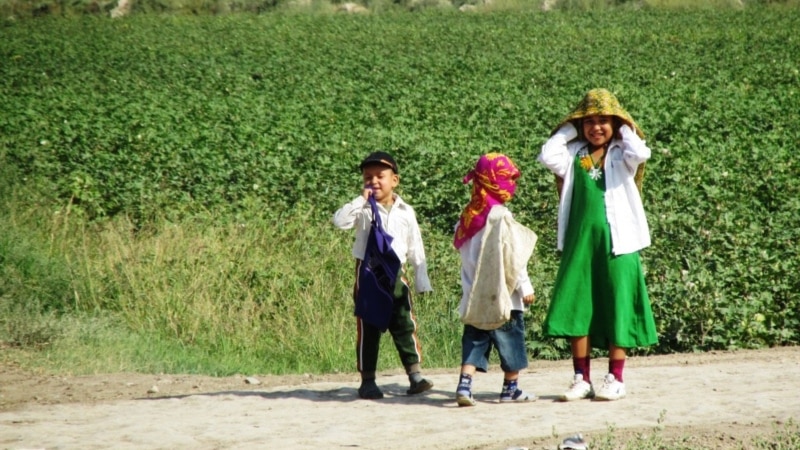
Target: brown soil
[[712, 400]]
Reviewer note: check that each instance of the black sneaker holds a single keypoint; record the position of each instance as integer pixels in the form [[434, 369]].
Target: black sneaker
[[369, 390], [418, 387]]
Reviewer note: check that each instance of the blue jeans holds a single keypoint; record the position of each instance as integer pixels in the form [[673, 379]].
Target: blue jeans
[[509, 339]]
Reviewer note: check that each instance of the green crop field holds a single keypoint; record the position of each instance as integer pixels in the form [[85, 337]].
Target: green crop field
[[169, 180]]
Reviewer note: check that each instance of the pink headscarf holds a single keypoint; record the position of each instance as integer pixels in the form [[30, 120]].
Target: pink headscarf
[[493, 183]]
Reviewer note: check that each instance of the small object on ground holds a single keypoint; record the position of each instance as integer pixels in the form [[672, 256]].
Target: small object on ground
[[574, 442], [252, 380]]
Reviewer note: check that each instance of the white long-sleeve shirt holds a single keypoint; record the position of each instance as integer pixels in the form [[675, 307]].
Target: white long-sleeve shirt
[[401, 224], [624, 210]]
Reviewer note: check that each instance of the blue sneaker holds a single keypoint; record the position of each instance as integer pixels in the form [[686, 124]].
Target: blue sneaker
[[464, 398], [511, 393], [464, 391], [518, 396]]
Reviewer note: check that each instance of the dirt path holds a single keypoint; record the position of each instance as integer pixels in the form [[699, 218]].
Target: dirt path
[[717, 398]]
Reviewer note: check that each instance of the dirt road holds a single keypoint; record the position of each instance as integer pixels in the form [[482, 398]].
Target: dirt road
[[718, 399]]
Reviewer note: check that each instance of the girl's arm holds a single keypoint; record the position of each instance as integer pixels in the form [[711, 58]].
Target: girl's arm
[[634, 151], [555, 155]]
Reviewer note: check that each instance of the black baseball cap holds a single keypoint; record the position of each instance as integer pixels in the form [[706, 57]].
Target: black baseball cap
[[380, 158]]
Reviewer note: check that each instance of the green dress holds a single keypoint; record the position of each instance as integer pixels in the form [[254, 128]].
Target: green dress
[[596, 293]]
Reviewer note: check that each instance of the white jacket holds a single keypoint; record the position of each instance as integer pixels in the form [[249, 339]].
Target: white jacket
[[624, 209]]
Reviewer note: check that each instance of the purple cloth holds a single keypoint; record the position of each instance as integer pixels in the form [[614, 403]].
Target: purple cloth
[[377, 275]]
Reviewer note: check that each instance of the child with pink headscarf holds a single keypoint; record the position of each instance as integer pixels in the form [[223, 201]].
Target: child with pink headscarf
[[496, 289]]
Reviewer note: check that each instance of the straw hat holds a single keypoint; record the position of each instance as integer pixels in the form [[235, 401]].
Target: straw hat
[[601, 102]]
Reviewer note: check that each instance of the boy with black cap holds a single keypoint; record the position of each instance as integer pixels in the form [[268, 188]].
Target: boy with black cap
[[396, 219]]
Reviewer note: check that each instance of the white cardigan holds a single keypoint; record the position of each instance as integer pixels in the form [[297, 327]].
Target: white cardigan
[[624, 210]]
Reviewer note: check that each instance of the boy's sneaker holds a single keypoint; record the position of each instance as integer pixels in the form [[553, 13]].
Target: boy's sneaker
[[464, 398], [517, 396], [612, 389], [369, 390], [573, 443], [418, 387], [579, 389]]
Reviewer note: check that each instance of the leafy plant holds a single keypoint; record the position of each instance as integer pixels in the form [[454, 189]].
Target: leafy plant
[[209, 124]]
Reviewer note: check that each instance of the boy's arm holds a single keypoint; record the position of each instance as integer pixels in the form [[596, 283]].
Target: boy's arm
[[345, 218], [422, 283]]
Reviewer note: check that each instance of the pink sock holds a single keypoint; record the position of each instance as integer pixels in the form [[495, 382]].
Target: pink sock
[[582, 366], [615, 367]]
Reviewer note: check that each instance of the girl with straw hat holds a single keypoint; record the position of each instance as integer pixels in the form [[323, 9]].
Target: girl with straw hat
[[599, 298]]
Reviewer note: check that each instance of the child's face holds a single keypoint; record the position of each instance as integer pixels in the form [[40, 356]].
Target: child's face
[[598, 130], [381, 180]]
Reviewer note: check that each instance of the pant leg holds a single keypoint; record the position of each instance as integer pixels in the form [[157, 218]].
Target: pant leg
[[368, 342], [510, 342], [403, 328], [368, 339]]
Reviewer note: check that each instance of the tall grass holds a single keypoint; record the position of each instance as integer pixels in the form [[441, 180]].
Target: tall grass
[[260, 295]]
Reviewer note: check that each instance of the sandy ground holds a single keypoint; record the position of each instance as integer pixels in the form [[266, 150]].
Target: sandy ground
[[719, 400]]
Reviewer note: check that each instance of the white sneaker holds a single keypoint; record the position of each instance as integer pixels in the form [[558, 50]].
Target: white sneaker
[[611, 389], [579, 389]]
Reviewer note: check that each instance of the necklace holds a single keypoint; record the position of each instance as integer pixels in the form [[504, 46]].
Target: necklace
[[588, 164]]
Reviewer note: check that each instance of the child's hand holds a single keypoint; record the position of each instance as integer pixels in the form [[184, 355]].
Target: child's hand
[[633, 141], [626, 131], [568, 130], [366, 193], [528, 299]]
